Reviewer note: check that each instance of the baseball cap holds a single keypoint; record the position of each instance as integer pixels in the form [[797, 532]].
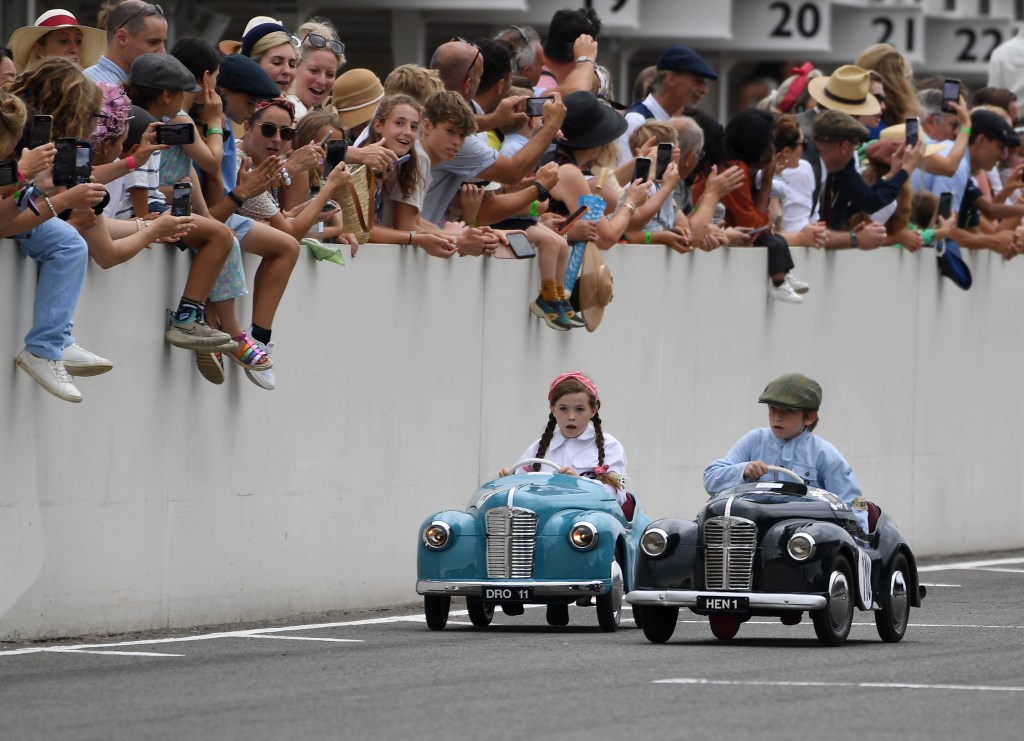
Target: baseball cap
[[793, 391], [994, 126], [243, 75], [163, 72], [836, 126], [679, 58]]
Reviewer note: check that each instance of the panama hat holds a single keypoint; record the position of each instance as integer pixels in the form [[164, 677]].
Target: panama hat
[[595, 287], [899, 132], [23, 41], [846, 90]]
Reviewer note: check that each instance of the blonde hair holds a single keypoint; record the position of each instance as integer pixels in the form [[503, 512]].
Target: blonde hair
[[12, 120], [662, 131], [272, 40], [320, 26], [56, 86], [896, 74], [414, 80]]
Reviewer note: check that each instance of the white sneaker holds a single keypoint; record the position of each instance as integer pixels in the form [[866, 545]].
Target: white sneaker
[[785, 293], [80, 362], [49, 374], [264, 378], [798, 285]]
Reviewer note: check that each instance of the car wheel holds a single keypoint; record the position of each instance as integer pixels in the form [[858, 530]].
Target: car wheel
[[609, 606], [513, 608], [832, 624], [658, 623], [638, 617], [892, 619], [557, 615], [436, 608], [480, 613], [724, 627]]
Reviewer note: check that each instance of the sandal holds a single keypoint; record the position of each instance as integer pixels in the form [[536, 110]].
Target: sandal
[[249, 355]]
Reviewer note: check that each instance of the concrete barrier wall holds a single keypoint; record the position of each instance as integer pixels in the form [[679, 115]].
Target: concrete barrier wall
[[405, 381]]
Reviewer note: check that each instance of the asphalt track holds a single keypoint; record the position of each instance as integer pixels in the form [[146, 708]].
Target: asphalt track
[[959, 673]]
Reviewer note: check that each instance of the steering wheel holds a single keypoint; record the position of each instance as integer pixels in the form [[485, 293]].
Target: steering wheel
[[779, 469], [542, 461]]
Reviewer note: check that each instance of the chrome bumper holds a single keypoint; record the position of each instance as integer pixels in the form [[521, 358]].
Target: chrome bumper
[[540, 588], [758, 600]]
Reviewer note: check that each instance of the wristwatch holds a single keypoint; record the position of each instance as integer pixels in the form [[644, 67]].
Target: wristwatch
[[853, 240], [585, 59]]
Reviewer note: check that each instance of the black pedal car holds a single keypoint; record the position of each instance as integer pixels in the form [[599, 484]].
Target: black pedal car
[[775, 549]]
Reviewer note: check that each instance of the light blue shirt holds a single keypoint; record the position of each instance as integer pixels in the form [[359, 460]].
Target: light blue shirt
[[925, 181], [106, 71], [817, 461]]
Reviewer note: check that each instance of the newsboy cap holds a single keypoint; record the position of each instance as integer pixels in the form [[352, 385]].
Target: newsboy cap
[[240, 74], [836, 126], [793, 391], [163, 72], [679, 58]]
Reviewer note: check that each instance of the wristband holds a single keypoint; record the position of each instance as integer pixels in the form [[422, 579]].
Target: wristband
[[853, 240], [235, 197], [214, 130], [647, 237], [581, 60], [411, 235], [542, 192], [533, 208], [140, 224], [130, 162], [965, 130], [630, 206]]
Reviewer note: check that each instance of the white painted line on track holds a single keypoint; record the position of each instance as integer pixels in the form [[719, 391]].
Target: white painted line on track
[[865, 685], [969, 564], [951, 586], [309, 638], [116, 653], [1002, 571]]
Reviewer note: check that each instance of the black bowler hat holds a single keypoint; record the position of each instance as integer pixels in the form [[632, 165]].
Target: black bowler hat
[[589, 122], [243, 75], [679, 58]]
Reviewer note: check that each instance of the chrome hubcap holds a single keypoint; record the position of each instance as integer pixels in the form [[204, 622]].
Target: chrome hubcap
[[617, 589], [838, 599], [898, 598]]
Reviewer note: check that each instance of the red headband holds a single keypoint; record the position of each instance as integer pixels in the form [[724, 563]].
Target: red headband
[[796, 87], [577, 375]]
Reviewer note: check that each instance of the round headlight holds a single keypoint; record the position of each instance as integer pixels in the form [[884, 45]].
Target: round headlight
[[654, 542], [583, 536], [437, 535], [800, 547]]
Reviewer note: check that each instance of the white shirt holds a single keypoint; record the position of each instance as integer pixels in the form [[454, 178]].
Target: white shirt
[[634, 121], [794, 187], [580, 454], [1006, 65]]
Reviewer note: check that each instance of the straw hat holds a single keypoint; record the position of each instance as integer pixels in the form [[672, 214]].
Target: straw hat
[[23, 41], [846, 90], [899, 132], [356, 95], [595, 287]]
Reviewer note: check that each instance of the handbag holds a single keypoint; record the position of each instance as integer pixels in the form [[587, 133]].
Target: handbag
[[356, 203]]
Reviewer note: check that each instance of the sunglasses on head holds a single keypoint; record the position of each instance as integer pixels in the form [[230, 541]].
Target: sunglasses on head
[[268, 130], [318, 41], [475, 57], [144, 10]]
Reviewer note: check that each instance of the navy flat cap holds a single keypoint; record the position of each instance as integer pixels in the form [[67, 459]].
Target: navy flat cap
[[679, 58]]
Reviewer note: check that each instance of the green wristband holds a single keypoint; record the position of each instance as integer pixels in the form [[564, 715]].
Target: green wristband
[[647, 237], [533, 208]]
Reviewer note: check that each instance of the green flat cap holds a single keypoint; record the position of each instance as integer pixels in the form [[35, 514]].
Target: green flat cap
[[836, 126], [794, 391]]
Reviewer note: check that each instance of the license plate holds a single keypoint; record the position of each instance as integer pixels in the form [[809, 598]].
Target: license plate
[[723, 603], [507, 594]]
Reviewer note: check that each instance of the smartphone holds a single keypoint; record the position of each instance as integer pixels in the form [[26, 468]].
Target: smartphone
[[573, 218], [336, 151], [329, 207], [183, 133], [535, 106], [913, 132], [401, 160], [83, 161], [520, 245], [64, 161], [8, 172], [665, 150], [181, 199], [755, 233], [946, 205], [323, 142], [39, 134], [642, 169], [950, 94]]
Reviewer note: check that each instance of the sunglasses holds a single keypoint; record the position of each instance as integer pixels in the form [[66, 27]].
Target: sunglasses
[[522, 34], [144, 10], [318, 41], [268, 130]]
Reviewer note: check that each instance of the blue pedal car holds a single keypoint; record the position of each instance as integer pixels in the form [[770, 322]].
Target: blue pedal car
[[530, 538]]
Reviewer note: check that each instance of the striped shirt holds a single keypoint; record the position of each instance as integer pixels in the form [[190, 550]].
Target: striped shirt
[[106, 71]]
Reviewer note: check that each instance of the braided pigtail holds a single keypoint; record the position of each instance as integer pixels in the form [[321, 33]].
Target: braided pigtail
[[545, 439], [609, 477]]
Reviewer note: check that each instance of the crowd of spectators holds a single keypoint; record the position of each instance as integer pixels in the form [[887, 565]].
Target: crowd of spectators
[[259, 144]]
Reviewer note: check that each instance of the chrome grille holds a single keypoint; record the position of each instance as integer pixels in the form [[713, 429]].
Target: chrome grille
[[511, 542], [729, 545]]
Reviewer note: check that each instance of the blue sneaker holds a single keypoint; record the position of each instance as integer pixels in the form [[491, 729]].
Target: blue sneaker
[[552, 314], [575, 320]]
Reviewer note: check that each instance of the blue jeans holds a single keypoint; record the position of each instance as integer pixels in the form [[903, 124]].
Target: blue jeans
[[63, 256]]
